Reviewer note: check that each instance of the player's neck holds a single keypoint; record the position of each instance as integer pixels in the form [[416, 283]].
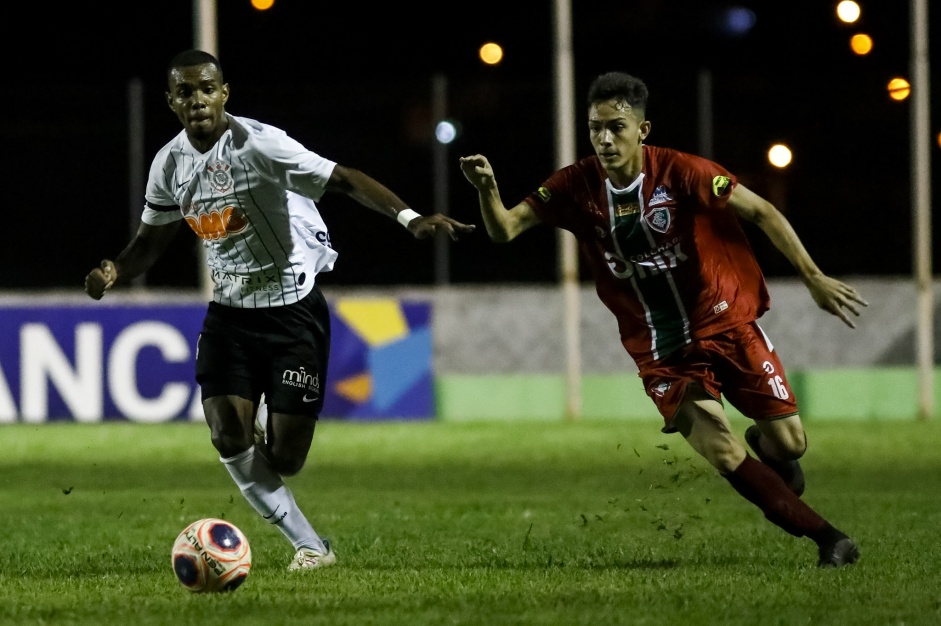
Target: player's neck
[[622, 177], [204, 144]]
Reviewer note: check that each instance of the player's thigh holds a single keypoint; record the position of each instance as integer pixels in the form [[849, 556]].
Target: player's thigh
[[230, 384], [228, 360], [751, 373], [298, 353], [230, 419], [704, 424], [290, 437]]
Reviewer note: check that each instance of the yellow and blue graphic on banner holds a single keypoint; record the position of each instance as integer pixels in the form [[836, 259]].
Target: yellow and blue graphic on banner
[[380, 360]]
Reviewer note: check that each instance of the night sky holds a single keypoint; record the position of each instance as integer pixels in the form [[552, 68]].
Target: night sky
[[354, 84]]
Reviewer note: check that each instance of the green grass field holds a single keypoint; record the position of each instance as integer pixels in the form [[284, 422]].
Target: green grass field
[[591, 522]]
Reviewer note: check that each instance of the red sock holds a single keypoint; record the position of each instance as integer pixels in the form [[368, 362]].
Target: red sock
[[761, 486]]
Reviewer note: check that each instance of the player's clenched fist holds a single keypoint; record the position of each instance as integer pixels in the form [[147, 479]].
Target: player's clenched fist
[[100, 279], [477, 170]]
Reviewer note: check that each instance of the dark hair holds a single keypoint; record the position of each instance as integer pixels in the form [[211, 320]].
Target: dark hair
[[189, 58], [619, 86]]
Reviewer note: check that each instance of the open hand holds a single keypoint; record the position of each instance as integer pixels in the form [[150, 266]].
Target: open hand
[[835, 297], [428, 225]]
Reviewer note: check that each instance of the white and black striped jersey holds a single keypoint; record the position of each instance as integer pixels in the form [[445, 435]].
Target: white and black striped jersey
[[251, 199]]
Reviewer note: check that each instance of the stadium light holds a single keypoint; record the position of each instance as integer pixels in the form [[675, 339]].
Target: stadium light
[[861, 44], [446, 131], [736, 21], [848, 11], [899, 89], [262, 5], [779, 155], [491, 53]]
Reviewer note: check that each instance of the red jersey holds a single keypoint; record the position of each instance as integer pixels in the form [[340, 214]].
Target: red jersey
[[669, 259]]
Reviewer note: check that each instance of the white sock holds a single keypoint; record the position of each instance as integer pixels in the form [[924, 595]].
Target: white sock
[[262, 415], [265, 490]]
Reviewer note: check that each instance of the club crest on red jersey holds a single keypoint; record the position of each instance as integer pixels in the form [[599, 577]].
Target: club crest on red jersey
[[544, 194], [659, 218], [219, 177]]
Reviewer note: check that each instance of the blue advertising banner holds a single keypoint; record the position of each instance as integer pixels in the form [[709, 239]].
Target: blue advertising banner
[[89, 363], [380, 360], [64, 362]]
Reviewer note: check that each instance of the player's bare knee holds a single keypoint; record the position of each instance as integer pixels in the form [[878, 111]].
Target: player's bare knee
[[793, 448], [285, 461], [228, 445], [288, 467], [787, 444]]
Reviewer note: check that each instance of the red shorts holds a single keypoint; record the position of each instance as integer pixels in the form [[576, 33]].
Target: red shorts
[[739, 364]]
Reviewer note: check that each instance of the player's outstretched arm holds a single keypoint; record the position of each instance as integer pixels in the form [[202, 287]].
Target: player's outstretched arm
[[139, 255], [502, 224], [830, 294], [372, 194]]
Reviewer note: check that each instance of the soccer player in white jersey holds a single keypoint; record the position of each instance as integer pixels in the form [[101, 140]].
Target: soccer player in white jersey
[[248, 190]]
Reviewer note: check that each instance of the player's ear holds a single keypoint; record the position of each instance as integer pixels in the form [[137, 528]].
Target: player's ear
[[169, 99], [225, 93], [643, 129]]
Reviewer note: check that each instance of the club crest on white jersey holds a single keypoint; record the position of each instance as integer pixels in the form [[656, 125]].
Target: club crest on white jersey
[[219, 176]]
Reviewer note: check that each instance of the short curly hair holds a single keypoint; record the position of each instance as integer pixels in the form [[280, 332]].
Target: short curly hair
[[619, 86], [189, 58]]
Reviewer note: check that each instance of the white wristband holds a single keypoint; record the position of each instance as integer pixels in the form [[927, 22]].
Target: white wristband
[[407, 215]]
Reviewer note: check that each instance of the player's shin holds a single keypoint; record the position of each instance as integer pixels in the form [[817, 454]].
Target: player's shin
[[758, 484], [266, 492]]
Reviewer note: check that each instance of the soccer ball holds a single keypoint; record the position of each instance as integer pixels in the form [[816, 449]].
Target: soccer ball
[[211, 555]]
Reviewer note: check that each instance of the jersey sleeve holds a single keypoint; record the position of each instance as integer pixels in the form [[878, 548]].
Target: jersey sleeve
[[287, 163], [708, 182], [552, 201], [160, 206]]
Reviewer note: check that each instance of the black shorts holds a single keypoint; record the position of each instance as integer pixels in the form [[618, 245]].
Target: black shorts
[[281, 352]]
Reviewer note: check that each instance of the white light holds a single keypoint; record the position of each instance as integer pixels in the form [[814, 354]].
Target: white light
[[848, 11], [779, 155], [445, 132]]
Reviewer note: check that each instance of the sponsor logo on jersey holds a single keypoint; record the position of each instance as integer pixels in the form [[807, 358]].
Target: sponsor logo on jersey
[[301, 379], [722, 306], [217, 225], [628, 208], [720, 186], [660, 389], [661, 195], [219, 177], [664, 257], [258, 281], [544, 194]]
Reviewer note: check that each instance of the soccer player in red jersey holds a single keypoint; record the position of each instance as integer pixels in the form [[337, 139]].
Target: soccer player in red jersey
[[659, 229]]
